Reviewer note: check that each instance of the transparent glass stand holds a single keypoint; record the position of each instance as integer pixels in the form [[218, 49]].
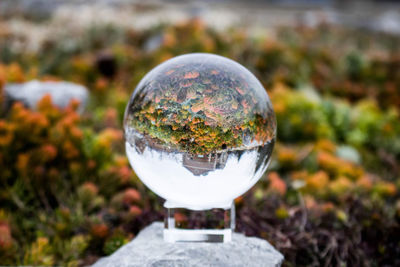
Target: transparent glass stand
[[188, 225]]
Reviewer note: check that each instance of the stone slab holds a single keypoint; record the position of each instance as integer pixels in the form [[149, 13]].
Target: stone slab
[[149, 249]]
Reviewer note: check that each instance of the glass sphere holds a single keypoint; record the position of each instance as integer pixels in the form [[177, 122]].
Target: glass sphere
[[199, 130]]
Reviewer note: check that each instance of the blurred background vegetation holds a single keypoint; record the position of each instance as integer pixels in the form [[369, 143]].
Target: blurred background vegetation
[[331, 196]]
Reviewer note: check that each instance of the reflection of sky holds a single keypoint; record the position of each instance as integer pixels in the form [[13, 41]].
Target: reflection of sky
[[165, 175]]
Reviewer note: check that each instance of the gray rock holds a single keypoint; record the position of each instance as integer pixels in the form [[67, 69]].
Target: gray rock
[[388, 22], [31, 92], [348, 153], [153, 43], [149, 249]]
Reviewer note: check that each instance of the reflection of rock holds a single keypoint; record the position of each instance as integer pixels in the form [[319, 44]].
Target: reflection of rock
[[202, 164], [30, 93], [197, 164], [141, 141], [139, 144]]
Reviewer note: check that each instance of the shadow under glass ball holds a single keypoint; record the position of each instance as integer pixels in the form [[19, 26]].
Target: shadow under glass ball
[[199, 130]]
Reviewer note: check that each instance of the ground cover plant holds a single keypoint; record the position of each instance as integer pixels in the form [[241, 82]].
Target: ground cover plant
[[331, 197]]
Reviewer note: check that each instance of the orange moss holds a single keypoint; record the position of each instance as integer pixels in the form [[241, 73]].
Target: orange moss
[[91, 164], [385, 188], [22, 162], [310, 202], [101, 84], [135, 210], [99, 230], [276, 183], [108, 136], [111, 117], [125, 173], [90, 188], [325, 145], [338, 166], [48, 151], [318, 181], [131, 196], [14, 73], [328, 207], [365, 182], [286, 155], [70, 150], [5, 237], [341, 185], [299, 175], [6, 133]]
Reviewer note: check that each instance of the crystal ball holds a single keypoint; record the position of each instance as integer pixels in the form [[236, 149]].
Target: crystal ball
[[199, 130]]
